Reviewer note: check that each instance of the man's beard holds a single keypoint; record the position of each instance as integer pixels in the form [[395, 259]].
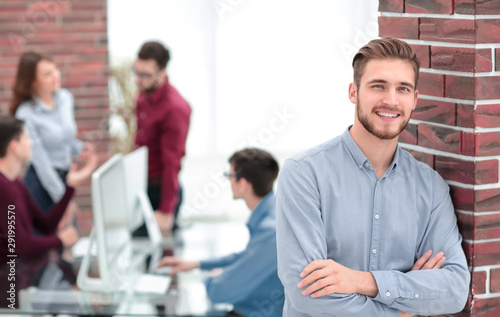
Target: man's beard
[[152, 88], [364, 119]]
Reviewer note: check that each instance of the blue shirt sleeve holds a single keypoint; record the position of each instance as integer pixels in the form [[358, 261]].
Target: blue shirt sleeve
[[301, 239], [431, 292], [215, 263], [244, 275], [40, 160], [67, 99]]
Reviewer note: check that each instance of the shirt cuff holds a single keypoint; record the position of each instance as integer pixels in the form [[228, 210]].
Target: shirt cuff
[[388, 291], [55, 242], [76, 147], [69, 191], [209, 264]]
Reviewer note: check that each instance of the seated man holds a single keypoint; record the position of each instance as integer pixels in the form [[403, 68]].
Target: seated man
[[249, 280], [24, 255]]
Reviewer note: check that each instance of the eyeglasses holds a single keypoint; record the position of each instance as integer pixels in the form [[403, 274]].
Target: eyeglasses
[[141, 75], [228, 175]]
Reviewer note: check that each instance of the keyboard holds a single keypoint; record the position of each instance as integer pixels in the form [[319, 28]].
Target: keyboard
[[152, 284]]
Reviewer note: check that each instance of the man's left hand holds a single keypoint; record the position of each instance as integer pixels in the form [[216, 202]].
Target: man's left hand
[[327, 277], [426, 263], [165, 222]]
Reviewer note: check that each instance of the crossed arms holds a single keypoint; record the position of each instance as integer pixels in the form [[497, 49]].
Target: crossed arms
[[302, 240]]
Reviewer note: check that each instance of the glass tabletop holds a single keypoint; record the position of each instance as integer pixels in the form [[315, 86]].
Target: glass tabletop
[[186, 295], [189, 300]]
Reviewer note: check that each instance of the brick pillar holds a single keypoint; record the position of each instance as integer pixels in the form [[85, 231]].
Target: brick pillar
[[456, 125], [74, 34]]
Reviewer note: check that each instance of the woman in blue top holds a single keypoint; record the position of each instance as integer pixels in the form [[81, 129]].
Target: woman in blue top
[[47, 110]]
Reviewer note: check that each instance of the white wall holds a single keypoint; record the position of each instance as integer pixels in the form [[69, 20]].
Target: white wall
[[286, 54], [266, 73]]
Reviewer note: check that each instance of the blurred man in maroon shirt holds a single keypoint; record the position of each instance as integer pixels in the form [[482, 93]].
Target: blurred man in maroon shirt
[[162, 126]]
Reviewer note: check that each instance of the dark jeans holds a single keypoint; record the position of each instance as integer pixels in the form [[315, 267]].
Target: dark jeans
[[37, 191], [154, 194]]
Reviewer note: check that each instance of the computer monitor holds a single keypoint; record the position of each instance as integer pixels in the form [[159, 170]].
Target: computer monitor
[[110, 232], [136, 177], [138, 206], [118, 199]]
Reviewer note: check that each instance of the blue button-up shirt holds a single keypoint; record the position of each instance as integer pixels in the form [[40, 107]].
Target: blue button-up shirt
[[249, 279], [330, 204], [53, 133]]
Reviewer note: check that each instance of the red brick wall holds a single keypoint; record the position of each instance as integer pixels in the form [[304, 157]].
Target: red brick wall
[[74, 33], [455, 127]]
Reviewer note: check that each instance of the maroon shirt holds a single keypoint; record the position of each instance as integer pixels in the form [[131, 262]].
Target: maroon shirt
[[162, 126], [30, 250]]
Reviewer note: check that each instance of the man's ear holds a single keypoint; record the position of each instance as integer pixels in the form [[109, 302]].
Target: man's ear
[[12, 146], [163, 73], [246, 184], [353, 93]]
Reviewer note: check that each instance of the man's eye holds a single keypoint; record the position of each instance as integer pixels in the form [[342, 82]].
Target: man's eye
[[405, 89], [378, 86]]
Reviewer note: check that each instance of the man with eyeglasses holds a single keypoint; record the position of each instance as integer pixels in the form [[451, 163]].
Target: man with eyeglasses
[[249, 280], [162, 125]]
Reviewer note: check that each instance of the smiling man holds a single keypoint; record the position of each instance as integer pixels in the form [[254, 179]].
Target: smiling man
[[363, 229]]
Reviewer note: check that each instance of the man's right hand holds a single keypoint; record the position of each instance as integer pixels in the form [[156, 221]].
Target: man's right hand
[[178, 265], [68, 236], [77, 175]]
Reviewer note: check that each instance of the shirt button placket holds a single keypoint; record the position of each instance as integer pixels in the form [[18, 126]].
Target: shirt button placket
[[376, 226]]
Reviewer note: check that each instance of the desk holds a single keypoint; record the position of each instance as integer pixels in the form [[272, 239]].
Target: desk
[[186, 296]]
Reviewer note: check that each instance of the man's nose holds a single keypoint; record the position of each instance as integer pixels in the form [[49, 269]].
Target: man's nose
[[390, 98]]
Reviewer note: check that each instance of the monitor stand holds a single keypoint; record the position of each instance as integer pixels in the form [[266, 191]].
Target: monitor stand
[[104, 283]]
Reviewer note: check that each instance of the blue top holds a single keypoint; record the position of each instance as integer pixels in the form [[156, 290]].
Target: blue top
[[249, 279], [331, 205], [53, 132]]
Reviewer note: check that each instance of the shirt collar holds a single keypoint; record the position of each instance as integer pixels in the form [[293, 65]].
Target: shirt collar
[[358, 155], [158, 94], [40, 106], [261, 210], [396, 159]]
